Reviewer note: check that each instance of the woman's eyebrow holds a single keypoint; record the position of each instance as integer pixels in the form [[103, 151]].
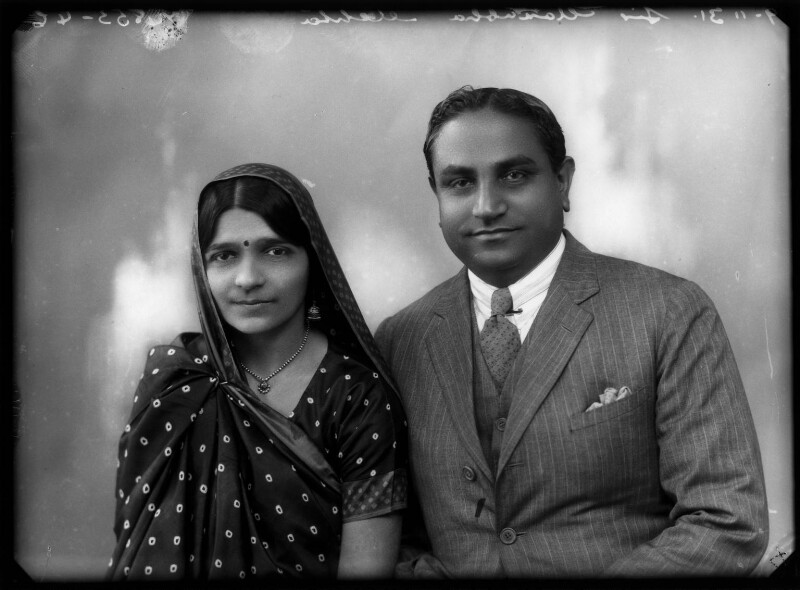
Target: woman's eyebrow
[[222, 245], [233, 244]]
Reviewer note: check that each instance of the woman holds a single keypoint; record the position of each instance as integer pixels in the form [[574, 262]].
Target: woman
[[272, 443]]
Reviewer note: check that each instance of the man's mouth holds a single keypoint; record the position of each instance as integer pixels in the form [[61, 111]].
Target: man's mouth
[[492, 231]]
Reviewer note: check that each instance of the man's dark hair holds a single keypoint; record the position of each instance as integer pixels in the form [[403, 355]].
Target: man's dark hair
[[503, 100]]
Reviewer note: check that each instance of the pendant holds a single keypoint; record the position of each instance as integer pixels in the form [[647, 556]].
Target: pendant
[[263, 387]]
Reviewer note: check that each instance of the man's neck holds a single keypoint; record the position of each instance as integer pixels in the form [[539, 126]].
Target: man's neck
[[507, 277]]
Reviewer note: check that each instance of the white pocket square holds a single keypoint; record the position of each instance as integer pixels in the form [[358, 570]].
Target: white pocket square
[[609, 396]]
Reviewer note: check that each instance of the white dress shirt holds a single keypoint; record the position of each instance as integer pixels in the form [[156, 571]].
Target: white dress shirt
[[527, 294]]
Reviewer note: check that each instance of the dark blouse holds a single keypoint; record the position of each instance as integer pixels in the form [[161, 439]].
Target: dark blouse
[[205, 491], [346, 412]]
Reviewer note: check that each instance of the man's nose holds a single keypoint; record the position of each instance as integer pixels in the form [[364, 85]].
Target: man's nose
[[489, 202], [249, 275]]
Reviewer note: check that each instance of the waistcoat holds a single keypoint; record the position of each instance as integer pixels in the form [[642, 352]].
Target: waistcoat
[[490, 405]]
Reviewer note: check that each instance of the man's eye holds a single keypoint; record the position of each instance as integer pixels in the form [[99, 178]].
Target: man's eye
[[459, 183], [514, 175]]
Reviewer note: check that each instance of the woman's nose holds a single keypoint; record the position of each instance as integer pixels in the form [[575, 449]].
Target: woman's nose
[[489, 202], [249, 275]]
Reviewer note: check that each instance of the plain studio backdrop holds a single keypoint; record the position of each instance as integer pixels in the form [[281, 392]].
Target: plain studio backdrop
[[677, 120]]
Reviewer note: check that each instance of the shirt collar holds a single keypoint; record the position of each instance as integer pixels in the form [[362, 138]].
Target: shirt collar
[[532, 284]]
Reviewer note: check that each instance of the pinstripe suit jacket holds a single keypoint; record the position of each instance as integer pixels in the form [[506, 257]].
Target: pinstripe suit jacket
[[665, 481]]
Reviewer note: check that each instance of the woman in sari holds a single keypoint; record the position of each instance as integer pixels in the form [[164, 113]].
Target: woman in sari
[[272, 444]]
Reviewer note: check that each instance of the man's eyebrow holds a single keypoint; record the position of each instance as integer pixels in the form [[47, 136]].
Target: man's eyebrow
[[518, 160], [455, 169]]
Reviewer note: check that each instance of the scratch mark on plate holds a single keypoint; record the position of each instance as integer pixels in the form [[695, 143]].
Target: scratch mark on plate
[[769, 356]]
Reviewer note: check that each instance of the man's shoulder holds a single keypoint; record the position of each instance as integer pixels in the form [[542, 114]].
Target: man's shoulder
[[425, 305], [623, 275], [613, 268], [580, 260]]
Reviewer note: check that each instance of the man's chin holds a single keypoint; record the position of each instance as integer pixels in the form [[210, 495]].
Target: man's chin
[[495, 268]]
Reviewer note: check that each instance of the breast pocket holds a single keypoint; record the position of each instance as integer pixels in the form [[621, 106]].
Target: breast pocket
[[608, 412], [614, 448]]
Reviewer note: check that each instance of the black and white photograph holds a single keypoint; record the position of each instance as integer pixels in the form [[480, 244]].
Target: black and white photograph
[[401, 295]]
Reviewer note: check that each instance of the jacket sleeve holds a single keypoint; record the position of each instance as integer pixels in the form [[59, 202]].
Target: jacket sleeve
[[709, 459], [415, 547]]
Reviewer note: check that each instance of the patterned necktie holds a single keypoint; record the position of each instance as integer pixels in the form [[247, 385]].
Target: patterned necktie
[[499, 337]]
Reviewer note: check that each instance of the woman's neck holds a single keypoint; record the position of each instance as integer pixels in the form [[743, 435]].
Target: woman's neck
[[266, 351]]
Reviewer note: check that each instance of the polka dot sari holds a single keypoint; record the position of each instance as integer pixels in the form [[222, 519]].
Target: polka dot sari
[[213, 484]]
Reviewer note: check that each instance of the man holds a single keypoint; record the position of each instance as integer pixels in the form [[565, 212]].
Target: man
[[570, 414]]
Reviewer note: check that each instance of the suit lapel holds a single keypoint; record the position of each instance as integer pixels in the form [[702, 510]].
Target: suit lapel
[[556, 332], [449, 344]]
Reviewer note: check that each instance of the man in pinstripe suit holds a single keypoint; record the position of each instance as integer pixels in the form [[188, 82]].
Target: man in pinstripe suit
[[620, 441]]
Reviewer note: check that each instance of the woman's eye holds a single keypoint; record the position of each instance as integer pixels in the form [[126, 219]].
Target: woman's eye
[[221, 257], [277, 251]]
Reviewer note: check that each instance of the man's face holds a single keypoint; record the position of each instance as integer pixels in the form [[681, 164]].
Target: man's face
[[501, 206]]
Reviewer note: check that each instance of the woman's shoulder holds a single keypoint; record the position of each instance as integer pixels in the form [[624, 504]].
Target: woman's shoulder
[[192, 342], [356, 379], [187, 351], [182, 360], [184, 344], [350, 366]]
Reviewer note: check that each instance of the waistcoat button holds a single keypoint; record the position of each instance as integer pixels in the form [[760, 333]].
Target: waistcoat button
[[500, 423], [468, 473], [508, 535]]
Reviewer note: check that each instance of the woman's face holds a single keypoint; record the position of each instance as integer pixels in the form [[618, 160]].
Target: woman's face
[[258, 279]]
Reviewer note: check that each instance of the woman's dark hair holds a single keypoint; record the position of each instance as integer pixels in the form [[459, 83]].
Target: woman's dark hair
[[502, 100], [258, 195], [268, 201]]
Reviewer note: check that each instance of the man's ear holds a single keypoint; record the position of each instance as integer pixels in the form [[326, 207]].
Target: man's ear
[[564, 176], [432, 184]]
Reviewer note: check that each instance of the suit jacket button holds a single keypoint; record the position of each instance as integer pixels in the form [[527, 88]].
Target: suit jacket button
[[468, 473], [500, 423], [508, 535]]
